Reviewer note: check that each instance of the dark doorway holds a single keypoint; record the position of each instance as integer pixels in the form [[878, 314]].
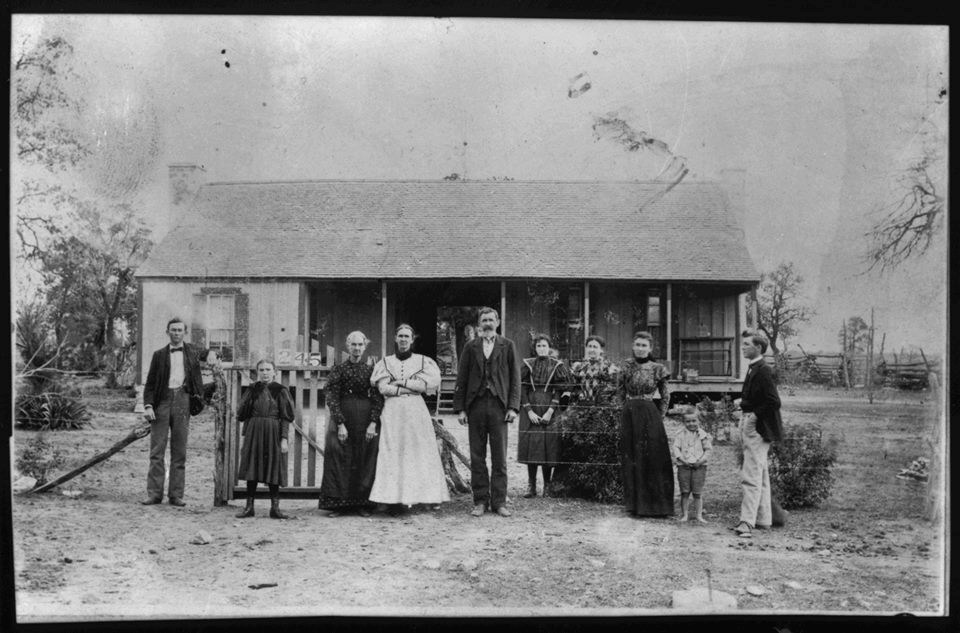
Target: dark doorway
[[439, 310]]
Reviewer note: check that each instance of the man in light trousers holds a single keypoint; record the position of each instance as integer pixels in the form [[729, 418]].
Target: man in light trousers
[[760, 425]]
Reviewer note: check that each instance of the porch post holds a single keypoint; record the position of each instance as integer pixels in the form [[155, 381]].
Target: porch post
[[670, 326], [741, 326], [586, 311], [503, 308], [306, 323], [383, 319]]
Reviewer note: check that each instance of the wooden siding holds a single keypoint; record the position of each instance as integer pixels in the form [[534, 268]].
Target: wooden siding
[[705, 331], [618, 310], [271, 327]]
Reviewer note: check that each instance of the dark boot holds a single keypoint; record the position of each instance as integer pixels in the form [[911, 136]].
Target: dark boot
[[247, 510], [531, 489], [275, 510]]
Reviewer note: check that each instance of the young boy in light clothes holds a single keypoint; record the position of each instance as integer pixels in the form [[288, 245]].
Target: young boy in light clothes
[[691, 448]]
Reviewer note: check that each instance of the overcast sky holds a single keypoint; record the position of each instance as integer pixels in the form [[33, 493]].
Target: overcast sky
[[820, 117]]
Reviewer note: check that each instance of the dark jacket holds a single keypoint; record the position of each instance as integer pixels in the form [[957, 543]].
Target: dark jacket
[[760, 396], [159, 374], [505, 372], [280, 395]]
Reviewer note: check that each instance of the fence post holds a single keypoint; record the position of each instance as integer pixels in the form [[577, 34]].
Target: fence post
[[934, 505]]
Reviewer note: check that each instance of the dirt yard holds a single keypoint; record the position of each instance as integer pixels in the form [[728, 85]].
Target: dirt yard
[[100, 555]]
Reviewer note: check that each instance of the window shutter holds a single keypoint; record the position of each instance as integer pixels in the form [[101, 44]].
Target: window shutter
[[241, 322], [198, 335]]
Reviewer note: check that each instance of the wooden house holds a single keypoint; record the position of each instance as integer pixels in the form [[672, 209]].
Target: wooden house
[[284, 270]]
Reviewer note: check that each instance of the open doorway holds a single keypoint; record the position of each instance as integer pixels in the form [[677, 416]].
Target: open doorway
[[442, 314]]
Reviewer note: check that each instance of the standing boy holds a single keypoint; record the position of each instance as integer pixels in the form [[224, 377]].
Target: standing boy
[[691, 447]]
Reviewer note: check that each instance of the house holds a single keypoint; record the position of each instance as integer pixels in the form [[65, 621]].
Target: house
[[284, 270]]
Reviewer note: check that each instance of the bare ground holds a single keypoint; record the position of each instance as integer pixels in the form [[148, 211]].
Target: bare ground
[[101, 555]]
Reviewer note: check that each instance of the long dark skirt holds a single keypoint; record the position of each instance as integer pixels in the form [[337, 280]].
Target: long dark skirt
[[645, 459], [349, 467], [260, 456], [538, 444]]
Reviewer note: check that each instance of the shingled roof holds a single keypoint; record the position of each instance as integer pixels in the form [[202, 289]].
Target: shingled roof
[[456, 229]]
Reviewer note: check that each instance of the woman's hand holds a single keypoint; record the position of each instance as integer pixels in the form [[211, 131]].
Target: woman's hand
[[371, 430], [534, 418], [283, 445], [341, 432], [547, 416]]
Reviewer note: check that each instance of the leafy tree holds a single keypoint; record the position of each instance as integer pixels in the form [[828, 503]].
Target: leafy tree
[[89, 279], [779, 305], [857, 336]]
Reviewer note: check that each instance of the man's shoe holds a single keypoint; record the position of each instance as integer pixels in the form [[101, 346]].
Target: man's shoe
[[151, 501], [478, 510], [743, 530], [177, 501], [502, 511]]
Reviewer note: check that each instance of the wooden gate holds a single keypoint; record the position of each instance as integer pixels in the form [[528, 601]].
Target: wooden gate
[[305, 457]]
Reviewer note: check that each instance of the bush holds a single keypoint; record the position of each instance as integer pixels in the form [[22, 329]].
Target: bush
[[591, 439], [718, 418], [800, 466], [38, 458], [51, 410]]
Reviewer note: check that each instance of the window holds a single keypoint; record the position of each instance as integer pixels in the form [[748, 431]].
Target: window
[[216, 314]]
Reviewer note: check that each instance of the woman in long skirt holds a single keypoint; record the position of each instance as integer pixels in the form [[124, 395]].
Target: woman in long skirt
[[644, 449], [409, 469], [266, 411], [350, 447], [542, 379]]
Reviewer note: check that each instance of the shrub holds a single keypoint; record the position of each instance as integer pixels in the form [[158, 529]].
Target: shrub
[[591, 441], [51, 410], [38, 458], [718, 418], [800, 466]]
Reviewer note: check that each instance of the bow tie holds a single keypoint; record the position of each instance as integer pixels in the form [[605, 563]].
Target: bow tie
[[176, 349]]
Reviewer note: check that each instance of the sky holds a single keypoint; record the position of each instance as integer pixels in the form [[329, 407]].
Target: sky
[[820, 118]]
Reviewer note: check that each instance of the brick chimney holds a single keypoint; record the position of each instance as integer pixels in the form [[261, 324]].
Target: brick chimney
[[185, 181]]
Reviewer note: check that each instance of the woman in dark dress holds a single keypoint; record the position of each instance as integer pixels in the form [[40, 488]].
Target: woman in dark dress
[[542, 381], [266, 411], [644, 449], [350, 449], [591, 426]]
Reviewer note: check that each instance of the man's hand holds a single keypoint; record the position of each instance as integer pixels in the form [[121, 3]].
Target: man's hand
[[283, 445], [149, 415], [371, 430], [511, 416], [341, 433], [462, 418]]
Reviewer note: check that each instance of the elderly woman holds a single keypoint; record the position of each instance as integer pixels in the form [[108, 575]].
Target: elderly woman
[[542, 379], [350, 448], [644, 449], [409, 469], [591, 426], [266, 411]]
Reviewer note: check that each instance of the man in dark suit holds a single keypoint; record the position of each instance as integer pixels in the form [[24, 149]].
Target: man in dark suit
[[760, 425], [173, 377], [487, 397]]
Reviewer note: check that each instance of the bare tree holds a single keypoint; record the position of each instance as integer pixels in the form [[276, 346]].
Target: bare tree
[[779, 305], [908, 224]]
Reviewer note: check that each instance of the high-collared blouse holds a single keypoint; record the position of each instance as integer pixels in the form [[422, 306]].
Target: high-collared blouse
[[352, 379], [415, 366], [543, 374], [645, 379], [597, 380]]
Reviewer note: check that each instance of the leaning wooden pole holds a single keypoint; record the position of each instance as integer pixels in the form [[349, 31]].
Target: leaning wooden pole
[[140, 431]]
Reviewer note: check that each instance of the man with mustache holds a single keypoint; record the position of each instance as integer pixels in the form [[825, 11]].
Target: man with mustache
[[487, 398]]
